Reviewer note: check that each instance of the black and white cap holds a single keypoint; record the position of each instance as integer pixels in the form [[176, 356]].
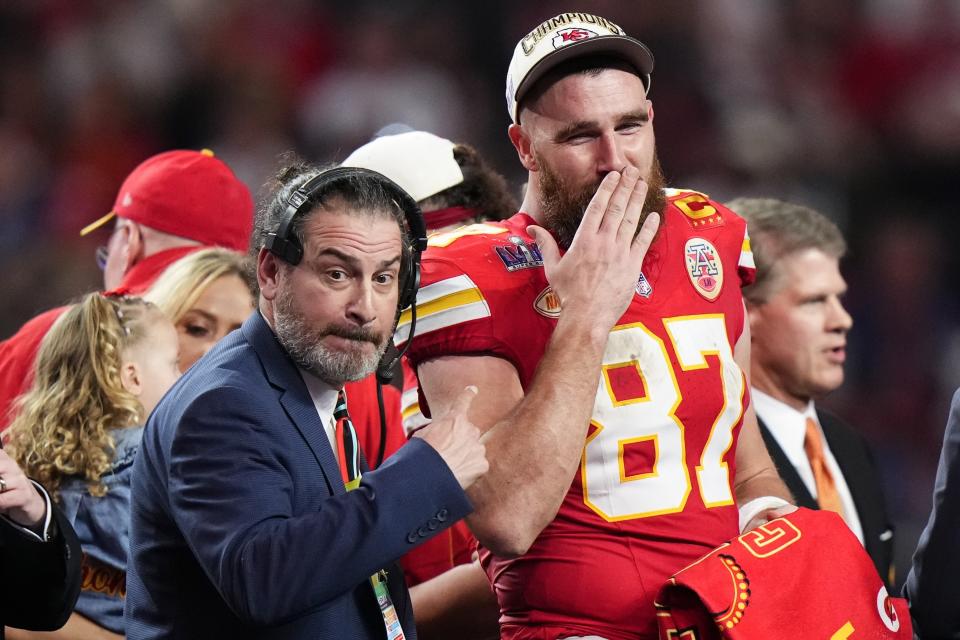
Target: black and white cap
[[568, 36]]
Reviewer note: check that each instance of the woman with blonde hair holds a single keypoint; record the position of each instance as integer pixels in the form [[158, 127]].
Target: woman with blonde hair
[[100, 371], [206, 294]]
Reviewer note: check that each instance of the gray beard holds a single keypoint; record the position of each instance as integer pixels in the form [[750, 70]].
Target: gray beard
[[303, 343]]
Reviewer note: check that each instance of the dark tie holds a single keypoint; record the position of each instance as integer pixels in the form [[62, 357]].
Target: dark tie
[[348, 449]]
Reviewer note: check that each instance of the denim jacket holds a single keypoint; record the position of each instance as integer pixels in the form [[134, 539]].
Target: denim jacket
[[103, 527]]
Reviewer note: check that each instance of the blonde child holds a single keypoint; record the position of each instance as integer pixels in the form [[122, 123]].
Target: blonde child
[[100, 372]]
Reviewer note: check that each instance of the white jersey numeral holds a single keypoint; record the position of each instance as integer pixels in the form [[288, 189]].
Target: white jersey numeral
[[608, 487]]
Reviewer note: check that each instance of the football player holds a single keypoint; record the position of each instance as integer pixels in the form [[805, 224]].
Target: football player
[[610, 354]]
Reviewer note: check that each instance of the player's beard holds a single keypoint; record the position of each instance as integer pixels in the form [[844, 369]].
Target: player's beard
[[563, 204], [304, 343]]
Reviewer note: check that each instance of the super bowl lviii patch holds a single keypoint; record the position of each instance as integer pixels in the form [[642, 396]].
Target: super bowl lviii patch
[[704, 267], [522, 255]]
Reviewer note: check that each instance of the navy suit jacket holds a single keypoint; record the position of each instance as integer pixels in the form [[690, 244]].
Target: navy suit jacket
[[931, 586], [240, 524], [859, 470]]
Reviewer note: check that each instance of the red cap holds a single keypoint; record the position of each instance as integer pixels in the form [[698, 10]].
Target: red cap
[[190, 194]]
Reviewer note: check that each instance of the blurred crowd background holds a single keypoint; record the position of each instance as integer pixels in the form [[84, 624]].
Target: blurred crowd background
[[851, 107]]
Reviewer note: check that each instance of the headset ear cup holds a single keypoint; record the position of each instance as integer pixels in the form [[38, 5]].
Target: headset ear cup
[[410, 283], [283, 242]]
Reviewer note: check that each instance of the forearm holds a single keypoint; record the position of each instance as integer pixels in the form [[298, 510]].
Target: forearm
[[763, 482], [756, 474], [76, 628], [535, 451]]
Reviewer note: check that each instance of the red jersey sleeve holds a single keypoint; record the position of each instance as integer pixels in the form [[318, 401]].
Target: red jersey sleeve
[[477, 297]]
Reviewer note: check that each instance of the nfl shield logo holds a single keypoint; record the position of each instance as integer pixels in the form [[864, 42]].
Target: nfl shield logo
[[644, 290]]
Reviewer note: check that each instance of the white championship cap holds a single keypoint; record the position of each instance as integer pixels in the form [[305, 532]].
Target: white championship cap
[[567, 36], [420, 162]]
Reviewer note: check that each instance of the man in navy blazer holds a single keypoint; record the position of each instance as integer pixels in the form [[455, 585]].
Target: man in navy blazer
[[241, 526], [931, 584]]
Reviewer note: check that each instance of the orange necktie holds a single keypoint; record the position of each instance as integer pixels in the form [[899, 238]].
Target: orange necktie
[[827, 495]]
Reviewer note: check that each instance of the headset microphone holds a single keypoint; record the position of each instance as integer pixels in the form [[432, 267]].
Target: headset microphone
[[284, 244]]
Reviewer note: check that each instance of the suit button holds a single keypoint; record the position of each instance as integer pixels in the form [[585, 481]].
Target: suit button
[[442, 515], [411, 537], [421, 532], [432, 524]]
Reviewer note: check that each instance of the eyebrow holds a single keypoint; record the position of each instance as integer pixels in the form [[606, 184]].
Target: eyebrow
[[582, 126], [351, 260], [206, 315]]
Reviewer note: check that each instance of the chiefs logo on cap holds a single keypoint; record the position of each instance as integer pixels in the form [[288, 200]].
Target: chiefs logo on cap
[[571, 35], [704, 267]]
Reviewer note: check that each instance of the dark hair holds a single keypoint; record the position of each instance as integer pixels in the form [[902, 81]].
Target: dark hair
[[482, 189], [369, 197]]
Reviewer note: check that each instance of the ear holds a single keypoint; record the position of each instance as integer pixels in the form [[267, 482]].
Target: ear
[[650, 110], [524, 146], [134, 247], [130, 377], [268, 273], [754, 316]]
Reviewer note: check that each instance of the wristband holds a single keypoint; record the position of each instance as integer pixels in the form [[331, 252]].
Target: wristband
[[750, 510]]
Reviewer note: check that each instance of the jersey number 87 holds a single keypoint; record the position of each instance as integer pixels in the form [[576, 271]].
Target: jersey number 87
[[618, 422]]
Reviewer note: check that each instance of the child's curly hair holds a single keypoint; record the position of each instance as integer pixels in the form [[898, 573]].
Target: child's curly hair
[[63, 422]]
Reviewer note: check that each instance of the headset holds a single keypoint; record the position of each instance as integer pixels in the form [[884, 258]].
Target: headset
[[284, 244]]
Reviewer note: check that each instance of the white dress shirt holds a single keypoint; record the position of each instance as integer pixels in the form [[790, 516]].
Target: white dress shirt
[[325, 400], [789, 429]]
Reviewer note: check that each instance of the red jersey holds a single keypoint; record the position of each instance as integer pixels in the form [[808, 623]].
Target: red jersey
[[803, 575], [365, 416], [19, 351], [654, 491]]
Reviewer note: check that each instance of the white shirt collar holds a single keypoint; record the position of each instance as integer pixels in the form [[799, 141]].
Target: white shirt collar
[[325, 400], [787, 425]]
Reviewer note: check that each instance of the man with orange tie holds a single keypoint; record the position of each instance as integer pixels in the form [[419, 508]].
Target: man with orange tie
[[799, 328]]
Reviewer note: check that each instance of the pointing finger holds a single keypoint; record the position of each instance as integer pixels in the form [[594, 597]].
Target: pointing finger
[[462, 404]]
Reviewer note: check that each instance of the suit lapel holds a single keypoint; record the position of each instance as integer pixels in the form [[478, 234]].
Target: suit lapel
[[283, 374], [858, 476], [853, 457], [788, 472]]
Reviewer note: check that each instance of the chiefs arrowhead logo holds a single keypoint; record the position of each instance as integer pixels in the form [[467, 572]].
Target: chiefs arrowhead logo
[[570, 35], [704, 267]]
